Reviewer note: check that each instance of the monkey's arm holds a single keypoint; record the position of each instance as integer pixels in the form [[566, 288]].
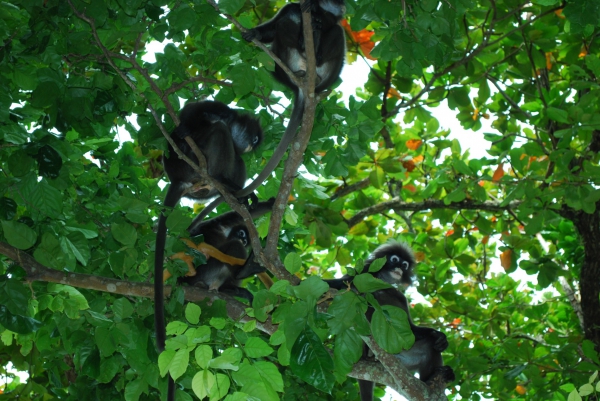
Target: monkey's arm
[[266, 32], [229, 219], [339, 283]]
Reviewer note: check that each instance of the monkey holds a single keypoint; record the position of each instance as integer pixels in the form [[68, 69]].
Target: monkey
[[425, 356], [229, 235], [222, 135], [223, 277], [284, 33]]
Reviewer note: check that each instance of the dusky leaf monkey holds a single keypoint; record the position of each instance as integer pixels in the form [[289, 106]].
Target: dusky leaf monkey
[[285, 35], [425, 356], [222, 134]]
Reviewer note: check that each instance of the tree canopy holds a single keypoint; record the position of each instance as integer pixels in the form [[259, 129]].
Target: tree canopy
[[78, 205]]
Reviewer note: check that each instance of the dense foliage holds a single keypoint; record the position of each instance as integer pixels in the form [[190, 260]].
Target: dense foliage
[[75, 199]]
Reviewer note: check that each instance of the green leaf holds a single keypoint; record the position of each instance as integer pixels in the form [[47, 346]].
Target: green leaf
[[17, 323], [8, 208], [344, 310], [311, 288], [199, 334], [242, 76], [74, 294], [177, 221], [257, 348], [77, 245], [49, 162], [367, 283], [228, 360], [586, 389], [203, 355], [179, 363], [124, 233], [122, 308], [202, 382], [231, 6], [20, 163], [292, 262], [391, 330], [348, 350], [43, 197], [260, 380], [109, 368], [311, 362], [18, 234], [45, 94], [557, 115], [377, 264], [192, 313]]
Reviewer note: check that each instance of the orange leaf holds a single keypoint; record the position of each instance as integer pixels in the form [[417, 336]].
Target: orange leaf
[[494, 219], [455, 323], [559, 13], [548, 60], [449, 233], [410, 187], [363, 38], [394, 93], [366, 48], [481, 183], [418, 159], [506, 259], [485, 240], [520, 389], [583, 52], [409, 165], [499, 173], [413, 144], [419, 256]]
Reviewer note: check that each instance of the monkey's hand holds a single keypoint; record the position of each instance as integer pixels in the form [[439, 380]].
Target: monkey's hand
[[441, 375], [251, 34], [440, 342]]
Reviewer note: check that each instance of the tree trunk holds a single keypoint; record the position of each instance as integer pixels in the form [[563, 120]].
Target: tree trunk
[[588, 226]]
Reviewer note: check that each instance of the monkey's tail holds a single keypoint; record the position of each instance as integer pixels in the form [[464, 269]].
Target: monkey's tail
[[171, 199], [286, 139]]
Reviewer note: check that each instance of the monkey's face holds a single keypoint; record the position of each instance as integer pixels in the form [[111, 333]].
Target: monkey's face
[[241, 234], [246, 133], [397, 270]]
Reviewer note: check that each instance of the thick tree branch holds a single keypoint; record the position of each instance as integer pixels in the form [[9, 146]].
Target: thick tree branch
[[405, 383], [236, 310], [296, 153]]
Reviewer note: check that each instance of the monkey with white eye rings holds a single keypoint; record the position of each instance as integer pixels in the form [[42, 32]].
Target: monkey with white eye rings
[[222, 134], [425, 355], [284, 33], [228, 234]]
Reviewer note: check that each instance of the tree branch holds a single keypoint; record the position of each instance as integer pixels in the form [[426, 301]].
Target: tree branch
[[236, 310], [348, 189], [404, 382], [398, 204]]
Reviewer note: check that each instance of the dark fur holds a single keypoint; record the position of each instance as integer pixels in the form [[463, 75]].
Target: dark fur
[[228, 234], [284, 33], [425, 356], [222, 135]]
